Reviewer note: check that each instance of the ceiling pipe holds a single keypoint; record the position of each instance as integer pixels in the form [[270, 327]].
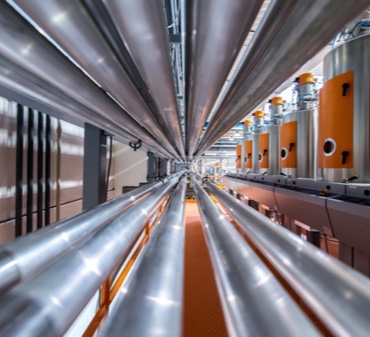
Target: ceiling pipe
[[271, 23], [70, 26], [304, 33], [24, 88], [142, 26], [215, 36], [26, 54], [100, 14]]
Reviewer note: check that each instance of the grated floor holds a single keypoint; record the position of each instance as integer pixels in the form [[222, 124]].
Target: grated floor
[[203, 316]]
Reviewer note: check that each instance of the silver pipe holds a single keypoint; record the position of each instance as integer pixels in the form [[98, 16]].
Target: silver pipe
[[277, 52], [24, 257], [148, 45], [217, 31], [48, 303], [28, 53], [254, 302], [70, 26], [27, 87], [332, 290], [151, 300]]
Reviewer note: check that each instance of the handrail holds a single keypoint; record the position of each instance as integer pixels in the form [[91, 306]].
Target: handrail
[[153, 294], [47, 304], [24, 257], [254, 302], [331, 289], [110, 288]]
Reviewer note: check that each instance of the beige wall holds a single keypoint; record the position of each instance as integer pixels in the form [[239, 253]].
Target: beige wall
[[129, 167]]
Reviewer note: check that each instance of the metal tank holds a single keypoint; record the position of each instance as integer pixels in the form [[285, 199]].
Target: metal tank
[[258, 124], [248, 145], [343, 146], [268, 146], [298, 135], [239, 156]]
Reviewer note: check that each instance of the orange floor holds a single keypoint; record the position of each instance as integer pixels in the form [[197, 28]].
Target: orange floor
[[203, 315]]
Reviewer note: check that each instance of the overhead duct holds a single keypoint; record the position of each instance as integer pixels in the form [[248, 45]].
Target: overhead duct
[[70, 26], [148, 45], [215, 33], [276, 53]]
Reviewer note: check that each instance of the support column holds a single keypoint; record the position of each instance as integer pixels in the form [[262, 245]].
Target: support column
[[19, 172], [95, 163], [40, 168], [30, 136], [47, 169], [151, 174]]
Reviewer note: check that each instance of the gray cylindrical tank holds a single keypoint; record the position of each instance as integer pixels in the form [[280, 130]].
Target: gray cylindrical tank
[[298, 144], [344, 146]]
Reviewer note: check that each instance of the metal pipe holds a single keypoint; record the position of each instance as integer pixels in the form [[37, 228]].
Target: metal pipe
[[74, 30], [254, 302], [148, 45], [30, 136], [48, 304], [271, 23], [152, 298], [47, 168], [26, 256], [216, 31], [101, 16], [25, 88], [276, 52], [332, 290], [40, 167], [52, 72], [19, 172]]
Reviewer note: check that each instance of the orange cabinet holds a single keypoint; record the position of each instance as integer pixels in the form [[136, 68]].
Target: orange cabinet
[[248, 154], [238, 156], [336, 122], [263, 152], [288, 145]]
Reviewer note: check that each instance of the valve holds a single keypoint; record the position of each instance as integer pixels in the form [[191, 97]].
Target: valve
[[345, 86], [345, 154], [135, 145]]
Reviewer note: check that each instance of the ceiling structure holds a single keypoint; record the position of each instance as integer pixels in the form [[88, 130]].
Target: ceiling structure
[[176, 74]]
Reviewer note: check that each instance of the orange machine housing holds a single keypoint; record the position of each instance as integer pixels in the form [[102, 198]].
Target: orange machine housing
[[263, 152], [248, 154], [288, 144], [336, 121], [238, 156]]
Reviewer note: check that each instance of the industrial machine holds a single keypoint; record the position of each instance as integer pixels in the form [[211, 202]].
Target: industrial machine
[[248, 144], [298, 149], [324, 155]]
